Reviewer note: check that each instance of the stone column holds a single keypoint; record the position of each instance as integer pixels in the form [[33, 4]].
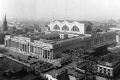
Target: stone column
[[10, 43], [28, 48], [48, 54], [19, 45], [34, 49], [14, 44], [5, 43], [43, 53], [38, 50], [25, 47], [51, 54]]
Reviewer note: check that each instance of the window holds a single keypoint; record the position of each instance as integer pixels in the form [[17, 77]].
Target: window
[[108, 69], [101, 71], [75, 28], [56, 27], [32, 49], [105, 69], [100, 67], [65, 28]]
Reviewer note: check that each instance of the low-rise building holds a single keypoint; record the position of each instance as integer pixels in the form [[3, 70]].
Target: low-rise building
[[117, 29], [60, 75], [108, 67], [50, 45]]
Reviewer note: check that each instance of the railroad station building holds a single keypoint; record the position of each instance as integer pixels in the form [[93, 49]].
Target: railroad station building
[[60, 36]]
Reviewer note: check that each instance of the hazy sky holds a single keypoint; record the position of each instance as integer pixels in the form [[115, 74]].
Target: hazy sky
[[60, 9]]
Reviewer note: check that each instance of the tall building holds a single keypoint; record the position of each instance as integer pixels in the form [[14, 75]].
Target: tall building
[[4, 26]]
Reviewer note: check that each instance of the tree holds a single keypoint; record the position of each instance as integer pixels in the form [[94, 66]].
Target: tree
[[2, 50]]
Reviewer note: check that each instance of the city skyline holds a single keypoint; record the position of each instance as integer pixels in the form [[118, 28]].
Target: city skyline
[[60, 9]]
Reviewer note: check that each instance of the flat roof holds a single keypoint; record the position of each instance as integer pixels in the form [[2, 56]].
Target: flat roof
[[45, 37], [57, 71], [109, 60], [37, 36], [70, 21], [59, 32]]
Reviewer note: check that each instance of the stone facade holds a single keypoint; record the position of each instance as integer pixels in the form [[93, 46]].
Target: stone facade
[[117, 29], [51, 44], [79, 27]]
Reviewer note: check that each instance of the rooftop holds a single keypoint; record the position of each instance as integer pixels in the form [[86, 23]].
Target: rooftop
[[50, 37], [54, 72], [40, 35], [109, 60], [58, 32], [70, 21]]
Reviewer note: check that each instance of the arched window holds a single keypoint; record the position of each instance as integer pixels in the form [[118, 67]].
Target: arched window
[[56, 27], [75, 28], [65, 28]]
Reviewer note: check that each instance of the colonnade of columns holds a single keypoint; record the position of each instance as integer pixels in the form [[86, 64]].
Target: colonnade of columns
[[28, 48], [100, 40]]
